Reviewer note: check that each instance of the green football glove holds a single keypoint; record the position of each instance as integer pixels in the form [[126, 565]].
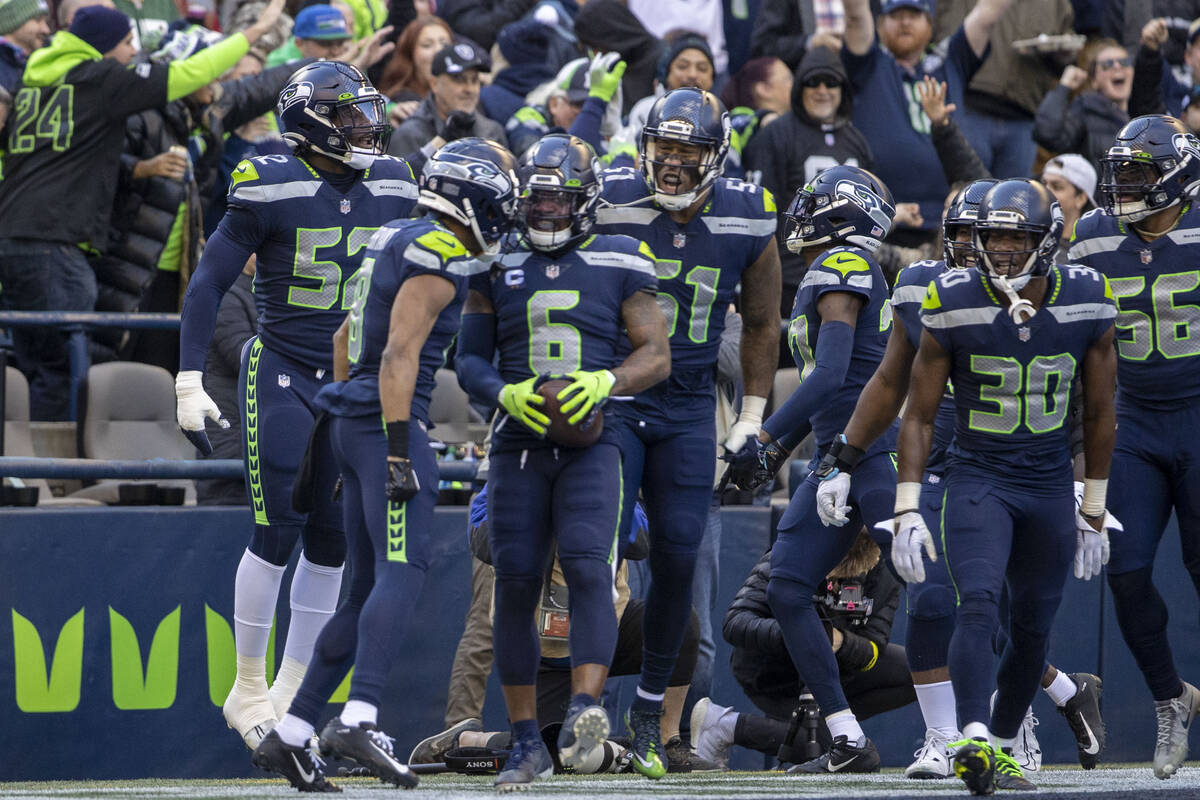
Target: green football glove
[[604, 75], [519, 399], [585, 391]]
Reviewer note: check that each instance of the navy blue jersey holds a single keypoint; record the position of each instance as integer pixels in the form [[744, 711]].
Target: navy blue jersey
[[699, 264], [398, 251], [853, 270], [1013, 382], [911, 285], [309, 238], [1157, 290], [558, 315]]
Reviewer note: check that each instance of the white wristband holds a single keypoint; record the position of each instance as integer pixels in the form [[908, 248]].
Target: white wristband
[[752, 410], [1095, 493], [908, 496]]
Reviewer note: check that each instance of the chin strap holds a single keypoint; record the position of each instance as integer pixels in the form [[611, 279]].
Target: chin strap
[[1019, 308]]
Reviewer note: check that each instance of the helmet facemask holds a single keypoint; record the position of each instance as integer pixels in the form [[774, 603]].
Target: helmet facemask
[[678, 167], [550, 217], [354, 130], [1012, 252], [958, 243], [1132, 188]]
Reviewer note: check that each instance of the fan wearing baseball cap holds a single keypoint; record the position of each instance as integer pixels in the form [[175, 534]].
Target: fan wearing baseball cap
[[1072, 180], [451, 110]]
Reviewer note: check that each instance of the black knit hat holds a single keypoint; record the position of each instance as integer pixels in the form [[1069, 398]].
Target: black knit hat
[[688, 41], [103, 28]]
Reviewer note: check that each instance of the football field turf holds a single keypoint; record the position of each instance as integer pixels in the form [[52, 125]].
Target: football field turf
[[1123, 781]]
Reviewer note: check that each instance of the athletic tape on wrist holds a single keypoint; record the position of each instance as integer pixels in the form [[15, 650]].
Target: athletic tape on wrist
[[1095, 493], [908, 496]]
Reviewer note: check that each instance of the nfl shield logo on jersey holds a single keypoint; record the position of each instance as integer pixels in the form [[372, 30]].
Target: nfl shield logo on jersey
[[1023, 334], [344, 207], [284, 380], [680, 241], [1147, 256], [552, 271]]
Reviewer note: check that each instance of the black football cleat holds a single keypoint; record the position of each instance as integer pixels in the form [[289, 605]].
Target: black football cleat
[[1083, 715], [842, 757], [297, 764], [975, 764], [369, 747]]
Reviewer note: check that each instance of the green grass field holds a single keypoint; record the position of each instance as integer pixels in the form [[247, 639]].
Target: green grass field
[[1115, 781]]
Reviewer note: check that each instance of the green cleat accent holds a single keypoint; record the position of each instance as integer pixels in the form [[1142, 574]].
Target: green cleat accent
[[645, 726], [975, 764], [1009, 774]]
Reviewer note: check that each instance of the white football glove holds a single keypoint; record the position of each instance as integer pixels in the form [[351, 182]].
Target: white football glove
[[748, 424], [909, 536], [192, 406], [831, 500], [1091, 546]]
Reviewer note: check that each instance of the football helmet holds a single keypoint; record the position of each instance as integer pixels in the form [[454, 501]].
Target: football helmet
[[683, 119], [474, 182], [559, 191], [331, 108], [842, 205], [1154, 163], [962, 213], [1017, 206]]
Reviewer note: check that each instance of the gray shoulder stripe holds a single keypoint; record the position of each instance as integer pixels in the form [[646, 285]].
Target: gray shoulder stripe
[[1079, 312], [391, 187], [466, 266], [908, 294], [628, 261], [959, 317], [624, 215], [1101, 244], [270, 192], [740, 225], [422, 257], [816, 277]]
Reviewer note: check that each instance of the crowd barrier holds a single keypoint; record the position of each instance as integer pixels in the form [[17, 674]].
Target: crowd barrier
[[116, 644]]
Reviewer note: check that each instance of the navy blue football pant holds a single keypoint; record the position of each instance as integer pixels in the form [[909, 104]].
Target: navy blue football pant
[[674, 465], [389, 555], [277, 408], [931, 603], [1155, 468], [991, 536], [542, 499], [804, 553]]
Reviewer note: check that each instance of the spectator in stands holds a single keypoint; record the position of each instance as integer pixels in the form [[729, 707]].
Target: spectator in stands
[[173, 156], [237, 322], [24, 27], [883, 71], [1004, 95], [408, 74], [1072, 179], [450, 110], [73, 169], [150, 20], [759, 92], [605, 26], [1153, 77], [787, 28], [321, 31], [578, 104], [482, 20], [1087, 123], [1190, 115], [532, 50], [857, 606], [815, 133], [246, 14], [1124, 20], [663, 18]]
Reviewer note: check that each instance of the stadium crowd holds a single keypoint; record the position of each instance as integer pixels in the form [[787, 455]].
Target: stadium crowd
[[629, 196]]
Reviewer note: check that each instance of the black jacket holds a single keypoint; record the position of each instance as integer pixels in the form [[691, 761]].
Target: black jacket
[[1086, 125], [236, 322], [959, 160], [760, 659], [608, 25], [481, 20], [781, 29], [416, 131], [145, 209]]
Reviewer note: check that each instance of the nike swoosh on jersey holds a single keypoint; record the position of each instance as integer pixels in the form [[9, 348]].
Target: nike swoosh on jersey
[[308, 777]]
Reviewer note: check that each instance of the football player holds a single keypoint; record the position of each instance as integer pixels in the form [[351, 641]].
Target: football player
[[561, 303], [931, 594], [1143, 241], [308, 217], [1012, 335], [405, 301], [708, 233], [839, 327]]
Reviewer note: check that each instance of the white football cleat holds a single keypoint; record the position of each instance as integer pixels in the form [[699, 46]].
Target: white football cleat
[[934, 759]]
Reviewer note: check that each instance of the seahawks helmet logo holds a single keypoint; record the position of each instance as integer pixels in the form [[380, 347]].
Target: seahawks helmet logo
[[1185, 145], [865, 199], [295, 93]]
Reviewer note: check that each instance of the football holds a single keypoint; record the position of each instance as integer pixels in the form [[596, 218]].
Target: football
[[562, 432]]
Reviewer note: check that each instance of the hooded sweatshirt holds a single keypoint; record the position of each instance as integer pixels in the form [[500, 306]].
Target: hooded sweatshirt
[[606, 26], [64, 146], [789, 152]]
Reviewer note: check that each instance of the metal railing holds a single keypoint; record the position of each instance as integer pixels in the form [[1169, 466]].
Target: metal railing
[[162, 469]]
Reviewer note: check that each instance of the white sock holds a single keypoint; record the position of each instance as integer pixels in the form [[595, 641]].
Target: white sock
[[357, 711], [287, 683], [314, 598], [1061, 689], [294, 731], [255, 592], [938, 707], [844, 723], [653, 698], [976, 730]]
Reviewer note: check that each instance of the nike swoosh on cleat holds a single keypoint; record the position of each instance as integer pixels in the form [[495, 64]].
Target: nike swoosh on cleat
[[308, 777], [1093, 746], [644, 762], [832, 767]]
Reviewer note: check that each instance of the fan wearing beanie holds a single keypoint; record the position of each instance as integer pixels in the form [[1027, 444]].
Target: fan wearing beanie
[[61, 174], [24, 27]]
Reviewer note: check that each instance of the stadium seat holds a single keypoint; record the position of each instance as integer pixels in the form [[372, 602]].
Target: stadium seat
[[129, 413], [18, 439], [450, 410]]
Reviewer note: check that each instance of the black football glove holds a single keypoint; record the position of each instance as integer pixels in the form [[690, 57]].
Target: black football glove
[[402, 482], [459, 124], [749, 475]]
